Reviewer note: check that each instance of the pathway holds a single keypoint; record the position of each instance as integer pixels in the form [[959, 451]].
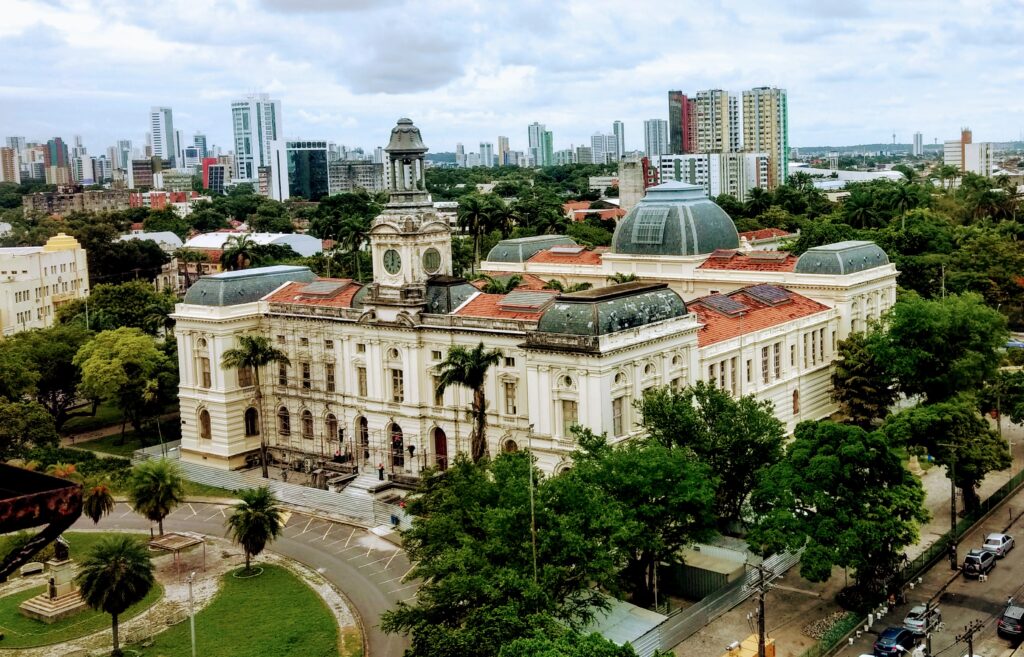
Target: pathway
[[364, 566], [75, 439]]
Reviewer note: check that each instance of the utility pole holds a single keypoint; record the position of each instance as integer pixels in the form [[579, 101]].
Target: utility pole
[[953, 561], [970, 630], [765, 577], [192, 612]]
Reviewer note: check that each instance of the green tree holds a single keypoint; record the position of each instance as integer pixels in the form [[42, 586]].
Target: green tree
[[131, 304], [358, 207], [820, 232], [271, 217], [499, 284], [566, 288], [468, 368], [861, 382], [474, 220], [738, 438], [254, 352], [956, 435], [166, 219], [24, 424], [1003, 394], [664, 497], [758, 201], [470, 545], [255, 521], [97, 501], [843, 495], [619, 277], [155, 488], [117, 574], [240, 252], [49, 354], [565, 644], [190, 259], [938, 348], [17, 377]]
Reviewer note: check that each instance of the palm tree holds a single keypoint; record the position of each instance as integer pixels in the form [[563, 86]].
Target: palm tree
[[566, 289], [468, 368], [117, 574], [858, 208], [758, 201], [189, 257], [97, 501], [64, 471], [254, 352], [499, 285], [352, 234], [255, 521], [240, 252], [501, 216], [155, 488], [473, 219], [619, 277]]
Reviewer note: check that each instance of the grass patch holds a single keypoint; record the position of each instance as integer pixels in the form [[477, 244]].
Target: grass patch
[[133, 440], [202, 490], [351, 643], [106, 415], [22, 632], [293, 621]]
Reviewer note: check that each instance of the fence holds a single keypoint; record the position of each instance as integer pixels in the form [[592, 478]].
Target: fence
[[360, 508], [684, 623]]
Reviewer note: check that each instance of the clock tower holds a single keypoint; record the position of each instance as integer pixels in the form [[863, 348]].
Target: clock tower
[[408, 241]]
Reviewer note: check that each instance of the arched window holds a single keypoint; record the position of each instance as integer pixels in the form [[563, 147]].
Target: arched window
[[284, 422], [510, 446], [363, 429], [331, 425], [307, 424], [440, 449], [397, 445], [204, 424], [252, 422]]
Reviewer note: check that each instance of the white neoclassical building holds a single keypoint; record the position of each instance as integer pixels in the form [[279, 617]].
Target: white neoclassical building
[[360, 388], [36, 280]]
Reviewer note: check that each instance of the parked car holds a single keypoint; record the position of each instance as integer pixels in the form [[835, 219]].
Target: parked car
[[894, 642], [1011, 623], [998, 543], [922, 620], [978, 562]]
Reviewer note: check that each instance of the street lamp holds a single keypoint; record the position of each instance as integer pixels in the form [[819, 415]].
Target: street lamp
[[192, 612]]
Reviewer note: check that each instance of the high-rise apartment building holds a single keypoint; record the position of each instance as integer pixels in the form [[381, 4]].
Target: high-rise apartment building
[[682, 118], [460, 155], [123, 154], [717, 173], [541, 151], [766, 129], [656, 137], [486, 154], [918, 148], [602, 148], [256, 121], [954, 151], [161, 125], [717, 122], [619, 130], [199, 141], [503, 151], [10, 170]]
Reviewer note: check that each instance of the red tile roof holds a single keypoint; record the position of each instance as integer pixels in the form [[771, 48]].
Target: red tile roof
[[488, 305], [718, 326], [584, 257], [606, 214], [341, 298], [529, 282], [765, 234], [759, 261]]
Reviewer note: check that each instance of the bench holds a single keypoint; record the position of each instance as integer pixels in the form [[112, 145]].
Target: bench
[[31, 568]]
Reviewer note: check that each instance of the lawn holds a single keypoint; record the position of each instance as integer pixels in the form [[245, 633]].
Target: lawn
[[272, 614], [106, 415], [133, 440]]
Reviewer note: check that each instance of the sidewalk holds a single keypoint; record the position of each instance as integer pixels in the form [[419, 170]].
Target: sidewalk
[[795, 602]]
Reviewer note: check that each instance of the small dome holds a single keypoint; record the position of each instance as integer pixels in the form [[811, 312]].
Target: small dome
[[521, 249], [675, 219], [841, 258], [610, 309], [405, 138], [61, 242]]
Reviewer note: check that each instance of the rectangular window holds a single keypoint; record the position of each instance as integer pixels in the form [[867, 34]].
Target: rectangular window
[[617, 430], [814, 347], [711, 373], [438, 396], [328, 344], [282, 374], [834, 345], [435, 354], [361, 381], [397, 386], [204, 372], [510, 398], [568, 417], [792, 355], [245, 378], [329, 376], [677, 383], [764, 365], [304, 342], [721, 374], [821, 345], [509, 361], [734, 375], [807, 350], [280, 339], [306, 382], [360, 348], [750, 370], [777, 358]]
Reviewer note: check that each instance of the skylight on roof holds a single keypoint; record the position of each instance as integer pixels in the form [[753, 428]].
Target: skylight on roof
[[769, 255], [566, 250], [772, 295], [321, 289], [725, 305], [649, 226]]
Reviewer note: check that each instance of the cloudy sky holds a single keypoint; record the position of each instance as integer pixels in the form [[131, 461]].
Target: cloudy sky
[[465, 70]]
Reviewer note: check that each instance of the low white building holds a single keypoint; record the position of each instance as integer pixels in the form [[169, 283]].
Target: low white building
[[36, 280], [304, 245], [717, 173]]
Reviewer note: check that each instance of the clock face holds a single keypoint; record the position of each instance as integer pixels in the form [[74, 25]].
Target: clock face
[[392, 261], [431, 260]]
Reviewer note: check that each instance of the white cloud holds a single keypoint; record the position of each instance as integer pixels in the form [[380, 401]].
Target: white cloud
[[470, 70]]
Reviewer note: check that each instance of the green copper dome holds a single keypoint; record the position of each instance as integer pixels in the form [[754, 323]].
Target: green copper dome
[[522, 249], [675, 219], [244, 286], [610, 309], [841, 258]]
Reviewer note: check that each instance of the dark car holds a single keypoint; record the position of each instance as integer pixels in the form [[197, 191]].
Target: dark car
[[894, 642], [1010, 623], [979, 562]]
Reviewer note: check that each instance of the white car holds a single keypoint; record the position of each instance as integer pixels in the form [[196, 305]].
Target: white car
[[999, 543]]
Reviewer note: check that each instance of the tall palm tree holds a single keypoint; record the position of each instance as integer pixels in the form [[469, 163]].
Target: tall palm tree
[[499, 285], [501, 216], [155, 488], [352, 234], [468, 368], [474, 219], [240, 252], [255, 521], [554, 284], [758, 201], [189, 257], [858, 209], [97, 501], [255, 352], [117, 574], [619, 277]]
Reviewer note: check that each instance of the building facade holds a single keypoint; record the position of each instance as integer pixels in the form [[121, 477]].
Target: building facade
[[299, 168], [766, 130], [918, 148], [161, 125], [10, 167], [682, 118], [72, 199], [718, 173], [656, 137], [256, 123], [346, 176], [717, 121], [36, 280]]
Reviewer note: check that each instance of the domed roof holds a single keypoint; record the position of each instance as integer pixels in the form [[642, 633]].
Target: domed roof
[[609, 309], [521, 249], [405, 138], [675, 219], [841, 258]]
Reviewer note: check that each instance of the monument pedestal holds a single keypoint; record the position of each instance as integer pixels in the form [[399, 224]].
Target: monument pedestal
[[61, 598]]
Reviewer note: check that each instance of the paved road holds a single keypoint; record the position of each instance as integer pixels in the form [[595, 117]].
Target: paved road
[[966, 600], [366, 567]]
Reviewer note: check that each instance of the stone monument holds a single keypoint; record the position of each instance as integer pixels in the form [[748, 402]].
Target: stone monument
[[61, 598]]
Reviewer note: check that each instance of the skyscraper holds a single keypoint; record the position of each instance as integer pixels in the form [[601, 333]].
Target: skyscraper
[[717, 122], [460, 155], [257, 122], [123, 154], [299, 168], [547, 147], [766, 129], [918, 149], [619, 131], [161, 126], [602, 148], [486, 154], [656, 139], [535, 137], [682, 117], [10, 171], [199, 140], [503, 151]]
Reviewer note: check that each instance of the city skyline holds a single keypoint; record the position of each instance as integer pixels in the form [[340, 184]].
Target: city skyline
[[470, 86]]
